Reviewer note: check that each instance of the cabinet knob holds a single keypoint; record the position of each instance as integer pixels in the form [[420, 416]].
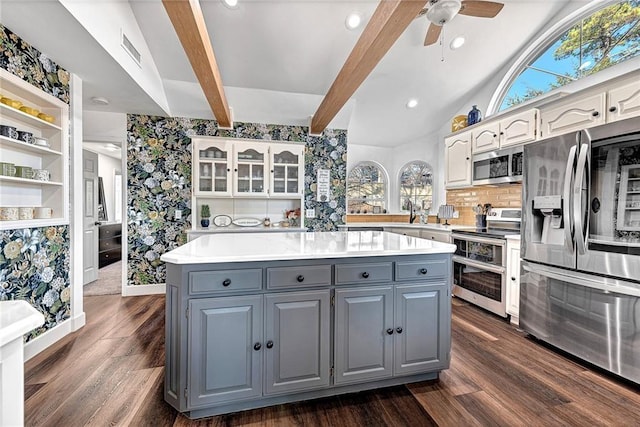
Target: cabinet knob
[[390, 331], [226, 282], [365, 275], [423, 270], [613, 109], [595, 114], [467, 158], [495, 136], [228, 169], [300, 278], [513, 278], [235, 170], [501, 133], [269, 344], [257, 346], [399, 329]]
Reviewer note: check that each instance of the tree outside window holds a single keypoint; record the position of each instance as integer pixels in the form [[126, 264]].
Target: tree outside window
[[416, 185], [607, 37], [366, 189]]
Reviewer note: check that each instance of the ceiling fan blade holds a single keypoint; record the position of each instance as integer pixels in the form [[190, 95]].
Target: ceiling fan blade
[[481, 9], [433, 34]]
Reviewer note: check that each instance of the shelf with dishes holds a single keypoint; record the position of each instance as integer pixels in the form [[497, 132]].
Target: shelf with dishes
[[34, 164]]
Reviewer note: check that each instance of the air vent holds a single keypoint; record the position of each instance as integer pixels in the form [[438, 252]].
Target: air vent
[[130, 48]]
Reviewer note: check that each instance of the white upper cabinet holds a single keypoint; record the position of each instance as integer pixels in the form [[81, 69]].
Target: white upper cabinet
[[457, 159], [486, 137], [624, 101], [250, 163], [287, 167], [34, 147], [574, 113], [212, 167], [519, 128]]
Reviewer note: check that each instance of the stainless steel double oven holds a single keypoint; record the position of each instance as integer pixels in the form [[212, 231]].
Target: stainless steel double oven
[[479, 263]]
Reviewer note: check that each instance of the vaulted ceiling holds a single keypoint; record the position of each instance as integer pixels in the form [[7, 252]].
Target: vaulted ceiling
[[278, 59]]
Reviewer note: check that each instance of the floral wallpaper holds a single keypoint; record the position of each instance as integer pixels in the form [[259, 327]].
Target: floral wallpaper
[[34, 262], [159, 181], [25, 61]]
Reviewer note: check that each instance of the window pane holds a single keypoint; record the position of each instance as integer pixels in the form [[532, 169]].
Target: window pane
[[366, 189], [416, 186]]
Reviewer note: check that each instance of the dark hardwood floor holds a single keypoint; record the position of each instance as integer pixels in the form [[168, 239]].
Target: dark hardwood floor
[[111, 373]]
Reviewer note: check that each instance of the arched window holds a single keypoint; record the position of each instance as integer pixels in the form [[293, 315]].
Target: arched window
[[597, 39], [367, 188], [416, 185]]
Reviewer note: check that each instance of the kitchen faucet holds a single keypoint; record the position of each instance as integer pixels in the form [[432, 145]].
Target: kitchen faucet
[[412, 214]]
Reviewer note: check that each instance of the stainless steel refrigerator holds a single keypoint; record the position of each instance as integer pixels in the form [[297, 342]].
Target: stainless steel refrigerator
[[580, 278]]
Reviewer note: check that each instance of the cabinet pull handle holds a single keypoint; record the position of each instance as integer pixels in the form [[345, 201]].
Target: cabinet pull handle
[[399, 329], [613, 108], [495, 136], [390, 331], [300, 278], [365, 275], [513, 278], [595, 114], [226, 282], [269, 344], [257, 346], [423, 270]]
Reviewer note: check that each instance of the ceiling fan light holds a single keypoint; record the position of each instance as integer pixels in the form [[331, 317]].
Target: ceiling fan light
[[456, 43], [231, 4], [443, 11], [353, 21]]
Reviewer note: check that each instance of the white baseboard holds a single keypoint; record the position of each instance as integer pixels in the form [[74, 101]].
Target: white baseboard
[[52, 336], [137, 290]]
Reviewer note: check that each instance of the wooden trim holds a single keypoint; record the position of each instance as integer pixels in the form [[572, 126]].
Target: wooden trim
[[188, 21], [386, 25]]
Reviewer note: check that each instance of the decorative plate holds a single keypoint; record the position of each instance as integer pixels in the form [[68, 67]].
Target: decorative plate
[[247, 222], [222, 220]]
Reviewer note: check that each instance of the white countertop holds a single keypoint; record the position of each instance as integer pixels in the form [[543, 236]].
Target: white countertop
[[434, 227], [219, 248], [17, 317]]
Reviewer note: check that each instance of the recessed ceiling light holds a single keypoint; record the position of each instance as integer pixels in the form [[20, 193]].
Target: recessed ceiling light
[[412, 103], [353, 20], [232, 4], [456, 43], [98, 100]]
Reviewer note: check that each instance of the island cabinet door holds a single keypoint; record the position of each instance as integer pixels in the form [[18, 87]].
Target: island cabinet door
[[297, 346], [363, 334], [420, 328], [226, 349]]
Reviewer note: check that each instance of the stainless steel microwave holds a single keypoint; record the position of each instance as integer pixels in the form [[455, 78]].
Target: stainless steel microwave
[[497, 167]]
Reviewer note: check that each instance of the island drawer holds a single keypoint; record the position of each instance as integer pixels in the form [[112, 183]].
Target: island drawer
[[421, 270], [225, 280], [364, 273], [300, 275]]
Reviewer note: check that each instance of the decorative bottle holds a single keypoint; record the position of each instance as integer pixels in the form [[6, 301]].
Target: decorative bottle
[[474, 116]]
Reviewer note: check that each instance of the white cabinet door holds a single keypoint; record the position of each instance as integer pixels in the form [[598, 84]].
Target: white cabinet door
[[485, 138], [413, 232], [212, 169], [287, 170], [457, 158], [624, 102], [513, 279], [250, 170], [519, 128], [580, 113]]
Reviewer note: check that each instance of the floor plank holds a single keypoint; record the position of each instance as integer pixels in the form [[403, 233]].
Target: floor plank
[[111, 372]]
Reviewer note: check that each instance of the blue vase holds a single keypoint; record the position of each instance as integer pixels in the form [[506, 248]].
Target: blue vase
[[204, 222], [474, 116]]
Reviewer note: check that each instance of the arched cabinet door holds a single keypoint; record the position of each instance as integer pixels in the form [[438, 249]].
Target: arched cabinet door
[[457, 157], [286, 170]]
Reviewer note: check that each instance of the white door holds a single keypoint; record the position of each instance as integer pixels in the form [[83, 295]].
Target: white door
[[90, 216]]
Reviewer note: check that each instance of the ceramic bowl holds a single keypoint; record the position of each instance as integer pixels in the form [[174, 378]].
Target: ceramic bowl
[[40, 141], [24, 172], [29, 110], [46, 117], [25, 213], [41, 174], [11, 102], [9, 214], [43, 213], [9, 131], [25, 136], [7, 169]]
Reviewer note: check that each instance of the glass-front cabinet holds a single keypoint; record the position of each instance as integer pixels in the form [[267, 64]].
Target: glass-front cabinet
[[250, 165], [212, 175], [287, 167]]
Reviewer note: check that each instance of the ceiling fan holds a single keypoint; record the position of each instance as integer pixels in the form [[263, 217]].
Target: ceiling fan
[[439, 12]]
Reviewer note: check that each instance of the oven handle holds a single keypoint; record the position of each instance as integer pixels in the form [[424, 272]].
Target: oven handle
[[496, 242], [466, 261]]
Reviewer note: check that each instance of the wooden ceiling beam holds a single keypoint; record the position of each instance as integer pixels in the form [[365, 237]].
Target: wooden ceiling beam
[[188, 21], [388, 22]]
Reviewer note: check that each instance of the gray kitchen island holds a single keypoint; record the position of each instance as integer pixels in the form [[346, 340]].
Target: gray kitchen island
[[258, 319]]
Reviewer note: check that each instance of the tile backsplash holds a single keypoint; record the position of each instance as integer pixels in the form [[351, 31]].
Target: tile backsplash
[[464, 199]]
